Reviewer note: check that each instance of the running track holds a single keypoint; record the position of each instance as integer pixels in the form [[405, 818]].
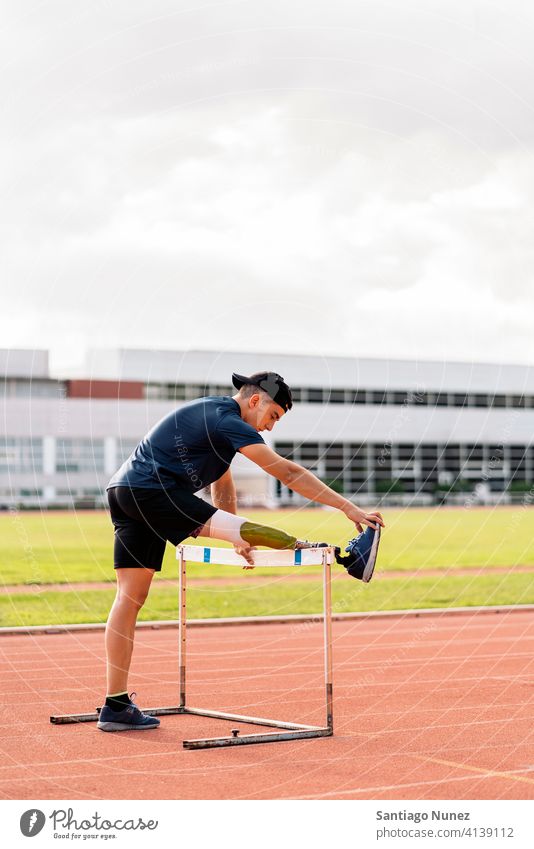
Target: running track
[[438, 707]]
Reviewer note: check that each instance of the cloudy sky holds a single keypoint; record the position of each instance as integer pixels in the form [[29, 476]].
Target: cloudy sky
[[326, 176]]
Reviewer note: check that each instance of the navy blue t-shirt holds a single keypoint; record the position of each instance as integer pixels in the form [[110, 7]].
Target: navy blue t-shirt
[[189, 448]]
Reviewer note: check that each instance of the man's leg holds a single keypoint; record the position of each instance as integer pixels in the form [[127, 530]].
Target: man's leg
[[133, 585], [240, 531]]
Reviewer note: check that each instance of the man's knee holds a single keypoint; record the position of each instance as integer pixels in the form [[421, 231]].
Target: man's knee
[[139, 599], [129, 598], [133, 587]]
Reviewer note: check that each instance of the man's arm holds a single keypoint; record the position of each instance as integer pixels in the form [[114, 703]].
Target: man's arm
[[223, 493], [307, 484]]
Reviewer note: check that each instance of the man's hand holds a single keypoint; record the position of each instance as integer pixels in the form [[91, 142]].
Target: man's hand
[[360, 518], [245, 551]]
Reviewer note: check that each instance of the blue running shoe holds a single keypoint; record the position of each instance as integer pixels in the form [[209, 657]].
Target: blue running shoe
[[129, 719], [362, 551]]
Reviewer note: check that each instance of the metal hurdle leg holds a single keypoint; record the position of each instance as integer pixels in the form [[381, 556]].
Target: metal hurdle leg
[[182, 624], [288, 730], [327, 641]]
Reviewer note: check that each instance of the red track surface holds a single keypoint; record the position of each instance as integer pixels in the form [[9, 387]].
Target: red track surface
[[430, 708]]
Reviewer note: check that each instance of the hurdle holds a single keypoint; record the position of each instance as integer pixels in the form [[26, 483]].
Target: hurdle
[[287, 730]]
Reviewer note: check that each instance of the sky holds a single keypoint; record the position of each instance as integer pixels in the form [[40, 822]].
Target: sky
[[352, 178]]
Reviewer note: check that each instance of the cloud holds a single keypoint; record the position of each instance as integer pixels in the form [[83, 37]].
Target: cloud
[[360, 182]]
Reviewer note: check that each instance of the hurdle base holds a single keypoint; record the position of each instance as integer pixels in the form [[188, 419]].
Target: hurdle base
[[67, 718], [268, 737], [288, 730]]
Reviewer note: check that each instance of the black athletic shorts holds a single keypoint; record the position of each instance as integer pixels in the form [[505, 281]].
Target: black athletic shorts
[[144, 519]]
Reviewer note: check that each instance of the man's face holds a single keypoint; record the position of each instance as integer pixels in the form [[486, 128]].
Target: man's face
[[263, 413]]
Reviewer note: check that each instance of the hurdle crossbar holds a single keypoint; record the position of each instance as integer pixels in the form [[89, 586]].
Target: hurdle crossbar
[[287, 730]]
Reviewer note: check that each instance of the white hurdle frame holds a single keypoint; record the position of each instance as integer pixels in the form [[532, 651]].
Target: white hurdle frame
[[227, 556], [288, 730]]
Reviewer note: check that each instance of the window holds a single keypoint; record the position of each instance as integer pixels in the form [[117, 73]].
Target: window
[[357, 472], [357, 459], [334, 460], [495, 461], [450, 461], [334, 451], [406, 453], [190, 391], [336, 396], [518, 401], [412, 397], [306, 394], [21, 388], [418, 397], [80, 455], [154, 391], [518, 465], [356, 396], [309, 455], [381, 457], [21, 454], [285, 449], [405, 465], [165, 391], [220, 390], [429, 455], [429, 452], [379, 397], [473, 465], [177, 392]]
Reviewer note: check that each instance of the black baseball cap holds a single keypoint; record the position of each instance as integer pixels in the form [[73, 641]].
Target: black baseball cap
[[271, 382]]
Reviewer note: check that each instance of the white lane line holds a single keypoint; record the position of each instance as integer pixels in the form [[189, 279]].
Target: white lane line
[[385, 787]]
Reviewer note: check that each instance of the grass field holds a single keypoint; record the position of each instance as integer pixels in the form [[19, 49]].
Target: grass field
[[275, 598], [72, 547]]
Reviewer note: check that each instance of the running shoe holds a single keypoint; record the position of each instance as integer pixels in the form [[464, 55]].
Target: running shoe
[[129, 719], [362, 552]]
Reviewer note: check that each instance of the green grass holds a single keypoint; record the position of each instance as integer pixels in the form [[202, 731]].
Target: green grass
[[278, 597], [70, 547]]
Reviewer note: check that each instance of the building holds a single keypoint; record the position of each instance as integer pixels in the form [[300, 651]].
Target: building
[[374, 429]]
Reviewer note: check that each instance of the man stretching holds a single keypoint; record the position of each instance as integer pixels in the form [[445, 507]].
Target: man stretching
[[152, 499]]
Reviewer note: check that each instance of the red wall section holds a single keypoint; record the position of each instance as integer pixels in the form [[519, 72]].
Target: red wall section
[[105, 389]]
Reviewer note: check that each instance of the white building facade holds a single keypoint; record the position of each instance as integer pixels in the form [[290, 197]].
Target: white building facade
[[373, 429]]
